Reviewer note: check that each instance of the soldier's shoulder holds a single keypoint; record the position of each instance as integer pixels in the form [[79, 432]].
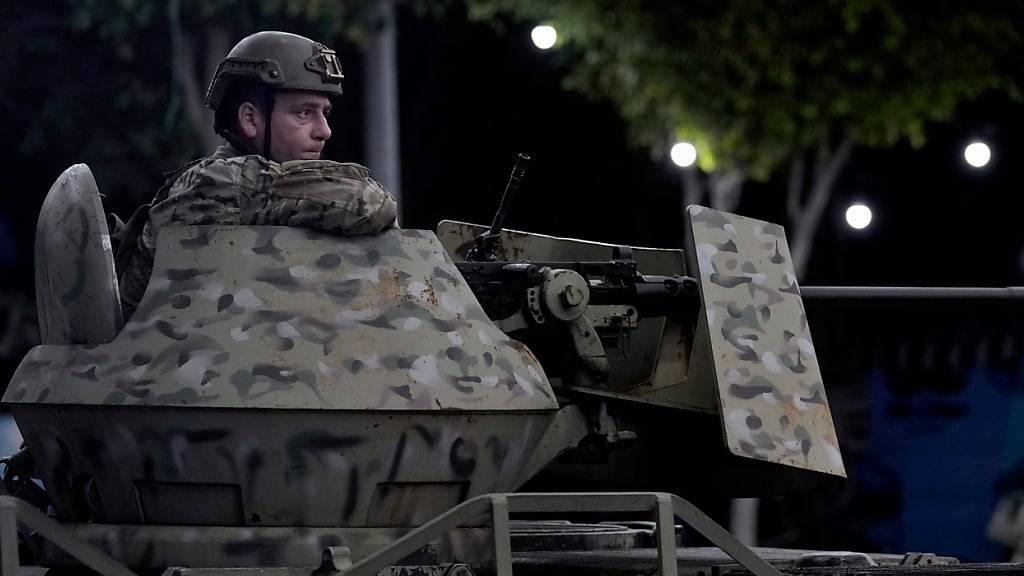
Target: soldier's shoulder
[[327, 168], [222, 167]]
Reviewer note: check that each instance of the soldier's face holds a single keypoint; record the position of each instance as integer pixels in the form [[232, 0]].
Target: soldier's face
[[298, 126]]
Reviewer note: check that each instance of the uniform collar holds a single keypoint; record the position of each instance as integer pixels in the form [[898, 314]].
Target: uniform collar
[[226, 151]]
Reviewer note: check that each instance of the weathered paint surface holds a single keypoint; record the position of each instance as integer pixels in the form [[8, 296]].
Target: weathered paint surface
[[276, 376], [75, 284], [769, 384], [276, 317], [188, 467], [459, 237]]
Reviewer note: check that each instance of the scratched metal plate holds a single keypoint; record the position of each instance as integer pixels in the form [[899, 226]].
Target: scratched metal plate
[[279, 317], [770, 391], [76, 286]]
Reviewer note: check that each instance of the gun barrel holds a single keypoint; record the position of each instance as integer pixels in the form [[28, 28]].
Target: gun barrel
[[518, 172], [909, 295]]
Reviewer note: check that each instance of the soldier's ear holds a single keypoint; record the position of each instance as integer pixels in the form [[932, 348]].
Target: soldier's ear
[[250, 120]]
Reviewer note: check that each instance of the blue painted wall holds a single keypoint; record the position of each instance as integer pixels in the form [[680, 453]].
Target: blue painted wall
[[943, 452]]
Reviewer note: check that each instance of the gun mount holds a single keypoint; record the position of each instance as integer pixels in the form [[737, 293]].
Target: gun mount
[[284, 398]]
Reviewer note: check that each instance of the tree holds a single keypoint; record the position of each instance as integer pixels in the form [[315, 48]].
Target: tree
[[120, 83], [200, 33], [765, 87]]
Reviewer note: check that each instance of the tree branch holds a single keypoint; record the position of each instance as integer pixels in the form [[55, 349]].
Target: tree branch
[[183, 60], [725, 189], [795, 188], [216, 48], [826, 177], [826, 171], [694, 187]]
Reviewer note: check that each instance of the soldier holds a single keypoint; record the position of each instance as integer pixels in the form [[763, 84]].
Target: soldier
[[271, 99]]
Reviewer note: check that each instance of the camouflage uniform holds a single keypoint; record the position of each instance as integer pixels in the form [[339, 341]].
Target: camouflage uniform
[[229, 188]]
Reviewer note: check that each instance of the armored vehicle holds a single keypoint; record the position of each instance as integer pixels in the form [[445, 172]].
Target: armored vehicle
[[289, 401]]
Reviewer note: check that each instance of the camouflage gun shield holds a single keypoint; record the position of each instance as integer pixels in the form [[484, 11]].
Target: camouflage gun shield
[[770, 390]]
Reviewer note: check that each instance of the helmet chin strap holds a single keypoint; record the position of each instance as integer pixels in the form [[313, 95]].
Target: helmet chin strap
[[269, 112], [249, 145], [243, 145]]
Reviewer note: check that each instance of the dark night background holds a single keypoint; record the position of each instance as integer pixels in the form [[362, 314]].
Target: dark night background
[[928, 400]]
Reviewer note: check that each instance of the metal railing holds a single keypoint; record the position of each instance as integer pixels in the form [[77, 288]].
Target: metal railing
[[498, 507], [14, 511], [666, 507]]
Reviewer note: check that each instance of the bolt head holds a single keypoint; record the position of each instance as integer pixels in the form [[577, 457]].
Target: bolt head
[[572, 296]]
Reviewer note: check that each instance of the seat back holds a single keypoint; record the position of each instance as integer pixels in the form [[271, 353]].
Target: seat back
[[76, 286]]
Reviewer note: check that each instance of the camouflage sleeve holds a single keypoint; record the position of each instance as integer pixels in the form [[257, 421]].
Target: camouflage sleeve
[[324, 195], [321, 194], [204, 193], [132, 284], [207, 193]]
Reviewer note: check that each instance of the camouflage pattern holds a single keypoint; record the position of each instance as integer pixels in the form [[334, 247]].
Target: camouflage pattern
[[228, 188], [756, 335], [239, 323], [76, 290]]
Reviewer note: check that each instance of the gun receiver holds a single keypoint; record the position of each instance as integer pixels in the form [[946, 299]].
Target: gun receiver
[[499, 286]]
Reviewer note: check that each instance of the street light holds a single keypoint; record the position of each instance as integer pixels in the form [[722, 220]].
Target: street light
[[544, 36], [977, 154], [858, 216], [683, 154]]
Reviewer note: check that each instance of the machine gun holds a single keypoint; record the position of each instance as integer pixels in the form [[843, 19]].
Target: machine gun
[[600, 302], [668, 340]]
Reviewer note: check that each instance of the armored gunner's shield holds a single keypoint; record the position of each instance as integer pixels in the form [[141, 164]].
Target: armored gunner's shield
[[76, 288], [753, 331], [278, 376]]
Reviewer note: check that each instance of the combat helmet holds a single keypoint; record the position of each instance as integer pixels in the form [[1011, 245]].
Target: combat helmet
[[280, 60], [276, 60]]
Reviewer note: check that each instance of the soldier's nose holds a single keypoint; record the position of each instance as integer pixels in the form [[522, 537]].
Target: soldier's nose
[[322, 130]]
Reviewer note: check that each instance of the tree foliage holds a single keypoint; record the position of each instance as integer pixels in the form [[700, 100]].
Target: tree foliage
[[120, 83], [759, 87], [754, 83]]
